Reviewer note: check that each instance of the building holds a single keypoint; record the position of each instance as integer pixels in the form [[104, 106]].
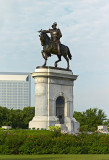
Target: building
[[15, 90]]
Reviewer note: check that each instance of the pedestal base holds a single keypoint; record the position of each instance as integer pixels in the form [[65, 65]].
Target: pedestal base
[[54, 99], [39, 122]]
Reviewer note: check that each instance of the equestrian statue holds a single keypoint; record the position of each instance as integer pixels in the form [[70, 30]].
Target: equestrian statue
[[52, 45]]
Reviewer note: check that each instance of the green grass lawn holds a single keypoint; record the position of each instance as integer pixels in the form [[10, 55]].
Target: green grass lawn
[[55, 157]]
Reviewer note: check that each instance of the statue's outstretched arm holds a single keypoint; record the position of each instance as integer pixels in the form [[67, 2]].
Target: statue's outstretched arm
[[46, 31]]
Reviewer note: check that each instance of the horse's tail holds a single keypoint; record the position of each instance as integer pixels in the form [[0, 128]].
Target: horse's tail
[[69, 54]]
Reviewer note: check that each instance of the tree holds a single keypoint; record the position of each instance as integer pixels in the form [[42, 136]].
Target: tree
[[4, 112], [106, 123], [16, 118], [90, 119], [27, 113]]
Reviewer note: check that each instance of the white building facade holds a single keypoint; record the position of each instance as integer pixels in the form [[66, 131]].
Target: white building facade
[[15, 90]]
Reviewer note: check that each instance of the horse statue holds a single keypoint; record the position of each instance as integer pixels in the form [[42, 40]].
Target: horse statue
[[48, 49]]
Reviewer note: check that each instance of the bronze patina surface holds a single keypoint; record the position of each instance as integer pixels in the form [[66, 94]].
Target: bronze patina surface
[[52, 45]]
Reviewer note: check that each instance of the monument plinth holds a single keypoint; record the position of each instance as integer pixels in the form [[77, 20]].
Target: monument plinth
[[54, 99]]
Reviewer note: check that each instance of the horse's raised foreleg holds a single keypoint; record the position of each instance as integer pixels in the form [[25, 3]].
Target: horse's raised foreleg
[[59, 59]]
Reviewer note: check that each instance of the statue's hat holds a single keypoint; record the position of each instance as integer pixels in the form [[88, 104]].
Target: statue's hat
[[54, 24]]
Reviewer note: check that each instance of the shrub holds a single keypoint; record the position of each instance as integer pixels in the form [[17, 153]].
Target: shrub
[[52, 142], [55, 128], [39, 144]]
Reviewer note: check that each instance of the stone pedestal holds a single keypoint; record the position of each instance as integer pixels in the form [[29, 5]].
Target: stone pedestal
[[54, 99]]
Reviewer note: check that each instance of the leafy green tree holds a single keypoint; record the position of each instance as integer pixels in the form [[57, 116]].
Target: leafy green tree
[[16, 118], [4, 112], [27, 113], [106, 123], [21, 118], [90, 119]]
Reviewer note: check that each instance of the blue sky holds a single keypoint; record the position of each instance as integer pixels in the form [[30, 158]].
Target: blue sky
[[85, 28]]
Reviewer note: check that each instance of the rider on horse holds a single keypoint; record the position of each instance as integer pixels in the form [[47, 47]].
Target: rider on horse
[[55, 37]]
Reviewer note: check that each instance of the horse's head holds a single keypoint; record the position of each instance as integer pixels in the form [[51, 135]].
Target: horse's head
[[44, 38]]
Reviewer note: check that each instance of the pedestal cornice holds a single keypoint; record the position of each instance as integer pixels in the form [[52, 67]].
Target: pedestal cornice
[[52, 72]]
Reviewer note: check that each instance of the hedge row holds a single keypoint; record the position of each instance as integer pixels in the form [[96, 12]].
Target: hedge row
[[47, 142]]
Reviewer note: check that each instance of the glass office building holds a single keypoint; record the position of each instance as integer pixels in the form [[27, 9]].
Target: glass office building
[[15, 90]]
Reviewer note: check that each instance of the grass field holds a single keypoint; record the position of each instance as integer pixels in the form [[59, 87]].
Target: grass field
[[55, 157]]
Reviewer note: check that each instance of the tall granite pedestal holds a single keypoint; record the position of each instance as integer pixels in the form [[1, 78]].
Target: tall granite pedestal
[[54, 99]]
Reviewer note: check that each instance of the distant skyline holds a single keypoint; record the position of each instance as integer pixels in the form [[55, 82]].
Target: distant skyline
[[85, 28]]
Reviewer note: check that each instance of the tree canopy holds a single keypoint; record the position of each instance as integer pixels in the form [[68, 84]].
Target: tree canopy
[[90, 119], [16, 118]]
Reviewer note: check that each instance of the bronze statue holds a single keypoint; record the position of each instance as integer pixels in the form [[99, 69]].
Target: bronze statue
[[53, 46]]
